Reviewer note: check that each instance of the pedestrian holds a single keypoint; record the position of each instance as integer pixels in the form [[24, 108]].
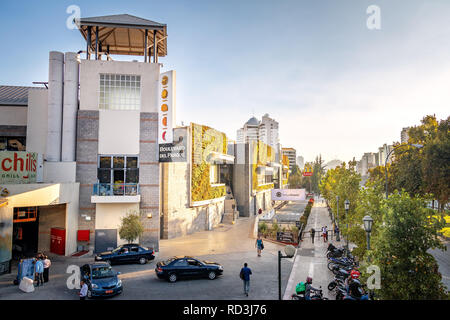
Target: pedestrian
[[39, 272], [336, 232], [313, 232], [326, 234], [47, 264], [245, 276], [83, 290], [259, 245], [323, 234]]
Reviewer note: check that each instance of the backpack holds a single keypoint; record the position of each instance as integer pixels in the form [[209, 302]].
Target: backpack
[[241, 274], [300, 288]]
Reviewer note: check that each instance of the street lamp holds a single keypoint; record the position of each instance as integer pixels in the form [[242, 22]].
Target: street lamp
[[337, 218], [368, 221], [346, 206], [289, 251], [415, 145]]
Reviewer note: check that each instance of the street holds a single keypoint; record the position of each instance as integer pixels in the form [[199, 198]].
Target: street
[[311, 258], [230, 245]]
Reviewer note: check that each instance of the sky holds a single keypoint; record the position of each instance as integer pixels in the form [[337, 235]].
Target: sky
[[336, 88]]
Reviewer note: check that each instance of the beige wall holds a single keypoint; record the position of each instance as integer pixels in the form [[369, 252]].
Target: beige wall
[[90, 81], [50, 217], [59, 172], [108, 216], [37, 120], [27, 195], [13, 116], [118, 132]]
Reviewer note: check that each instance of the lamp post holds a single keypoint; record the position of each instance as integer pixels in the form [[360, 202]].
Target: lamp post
[[346, 206], [418, 146], [338, 238], [289, 251], [368, 221]]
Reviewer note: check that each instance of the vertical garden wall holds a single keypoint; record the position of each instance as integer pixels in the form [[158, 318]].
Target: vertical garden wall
[[204, 141]]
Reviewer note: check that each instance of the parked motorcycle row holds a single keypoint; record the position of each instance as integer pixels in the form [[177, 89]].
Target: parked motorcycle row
[[346, 284]]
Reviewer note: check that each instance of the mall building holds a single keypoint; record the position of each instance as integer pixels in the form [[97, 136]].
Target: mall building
[[99, 140]]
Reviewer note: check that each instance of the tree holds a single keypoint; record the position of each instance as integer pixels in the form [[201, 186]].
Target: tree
[[131, 227], [405, 234]]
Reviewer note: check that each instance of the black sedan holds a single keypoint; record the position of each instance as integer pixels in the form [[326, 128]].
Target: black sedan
[[187, 267], [127, 253]]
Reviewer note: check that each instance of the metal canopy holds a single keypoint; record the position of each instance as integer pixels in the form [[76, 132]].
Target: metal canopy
[[124, 34]]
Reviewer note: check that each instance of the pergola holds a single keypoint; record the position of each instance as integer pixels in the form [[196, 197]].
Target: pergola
[[123, 34]]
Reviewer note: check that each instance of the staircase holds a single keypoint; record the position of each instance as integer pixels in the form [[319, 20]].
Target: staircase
[[231, 214]]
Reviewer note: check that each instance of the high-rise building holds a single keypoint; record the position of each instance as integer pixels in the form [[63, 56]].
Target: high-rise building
[[404, 136], [250, 131], [291, 153], [268, 131], [300, 161]]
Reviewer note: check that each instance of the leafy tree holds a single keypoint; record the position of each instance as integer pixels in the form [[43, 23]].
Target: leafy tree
[[131, 227], [400, 248]]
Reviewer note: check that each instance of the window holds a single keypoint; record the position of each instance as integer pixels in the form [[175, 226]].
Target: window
[[12, 144], [120, 92], [118, 175], [214, 177], [180, 263]]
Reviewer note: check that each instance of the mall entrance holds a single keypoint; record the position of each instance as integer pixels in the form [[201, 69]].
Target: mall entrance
[[25, 232]]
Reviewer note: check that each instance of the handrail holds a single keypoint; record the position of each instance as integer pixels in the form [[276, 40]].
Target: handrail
[[115, 189]]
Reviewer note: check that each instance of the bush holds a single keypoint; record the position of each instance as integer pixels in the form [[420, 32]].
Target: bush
[[262, 228], [131, 227]]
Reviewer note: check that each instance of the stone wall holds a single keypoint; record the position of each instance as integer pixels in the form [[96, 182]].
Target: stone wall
[[149, 179], [86, 157]]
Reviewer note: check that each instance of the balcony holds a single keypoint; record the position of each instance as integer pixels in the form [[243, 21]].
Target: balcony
[[115, 193]]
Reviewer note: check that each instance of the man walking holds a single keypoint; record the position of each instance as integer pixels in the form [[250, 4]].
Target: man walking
[[313, 232], [245, 276], [83, 291], [326, 234]]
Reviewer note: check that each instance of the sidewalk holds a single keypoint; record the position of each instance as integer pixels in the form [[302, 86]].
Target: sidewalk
[[311, 257]]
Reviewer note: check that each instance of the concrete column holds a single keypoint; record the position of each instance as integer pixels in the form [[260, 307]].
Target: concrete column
[[69, 132], [55, 105]]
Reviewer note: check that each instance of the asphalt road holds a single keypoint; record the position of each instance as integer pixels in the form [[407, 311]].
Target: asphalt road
[[229, 245], [443, 260]]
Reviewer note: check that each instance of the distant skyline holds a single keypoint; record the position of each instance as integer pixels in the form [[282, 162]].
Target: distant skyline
[[336, 88]]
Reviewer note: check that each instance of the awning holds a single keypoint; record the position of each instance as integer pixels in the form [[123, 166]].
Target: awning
[[274, 164], [220, 158], [124, 34]]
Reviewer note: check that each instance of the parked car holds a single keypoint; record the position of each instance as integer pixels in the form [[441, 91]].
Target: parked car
[[127, 253], [187, 267], [101, 280]]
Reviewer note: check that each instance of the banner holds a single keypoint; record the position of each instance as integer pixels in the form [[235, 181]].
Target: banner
[[19, 167], [166, 107], [176, 151], [288, 194]]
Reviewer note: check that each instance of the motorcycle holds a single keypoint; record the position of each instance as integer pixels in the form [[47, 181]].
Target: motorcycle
[[315, 295]]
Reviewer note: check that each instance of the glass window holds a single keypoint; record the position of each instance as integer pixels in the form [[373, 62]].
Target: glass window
[[120, 92], [180, 263], [214, 174], [132, 176], [104, 175], [132, 162], [105, 162], [118, 162]]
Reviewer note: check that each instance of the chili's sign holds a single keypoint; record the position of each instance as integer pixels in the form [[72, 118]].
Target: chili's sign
[[18, 167]]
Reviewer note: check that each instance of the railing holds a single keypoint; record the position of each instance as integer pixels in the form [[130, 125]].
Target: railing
[[115, 189]]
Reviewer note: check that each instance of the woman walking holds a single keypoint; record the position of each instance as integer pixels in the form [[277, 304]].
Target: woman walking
[[259, 245]]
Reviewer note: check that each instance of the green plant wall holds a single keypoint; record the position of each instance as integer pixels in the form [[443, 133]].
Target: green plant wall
[[262, 154], [204, 141]]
